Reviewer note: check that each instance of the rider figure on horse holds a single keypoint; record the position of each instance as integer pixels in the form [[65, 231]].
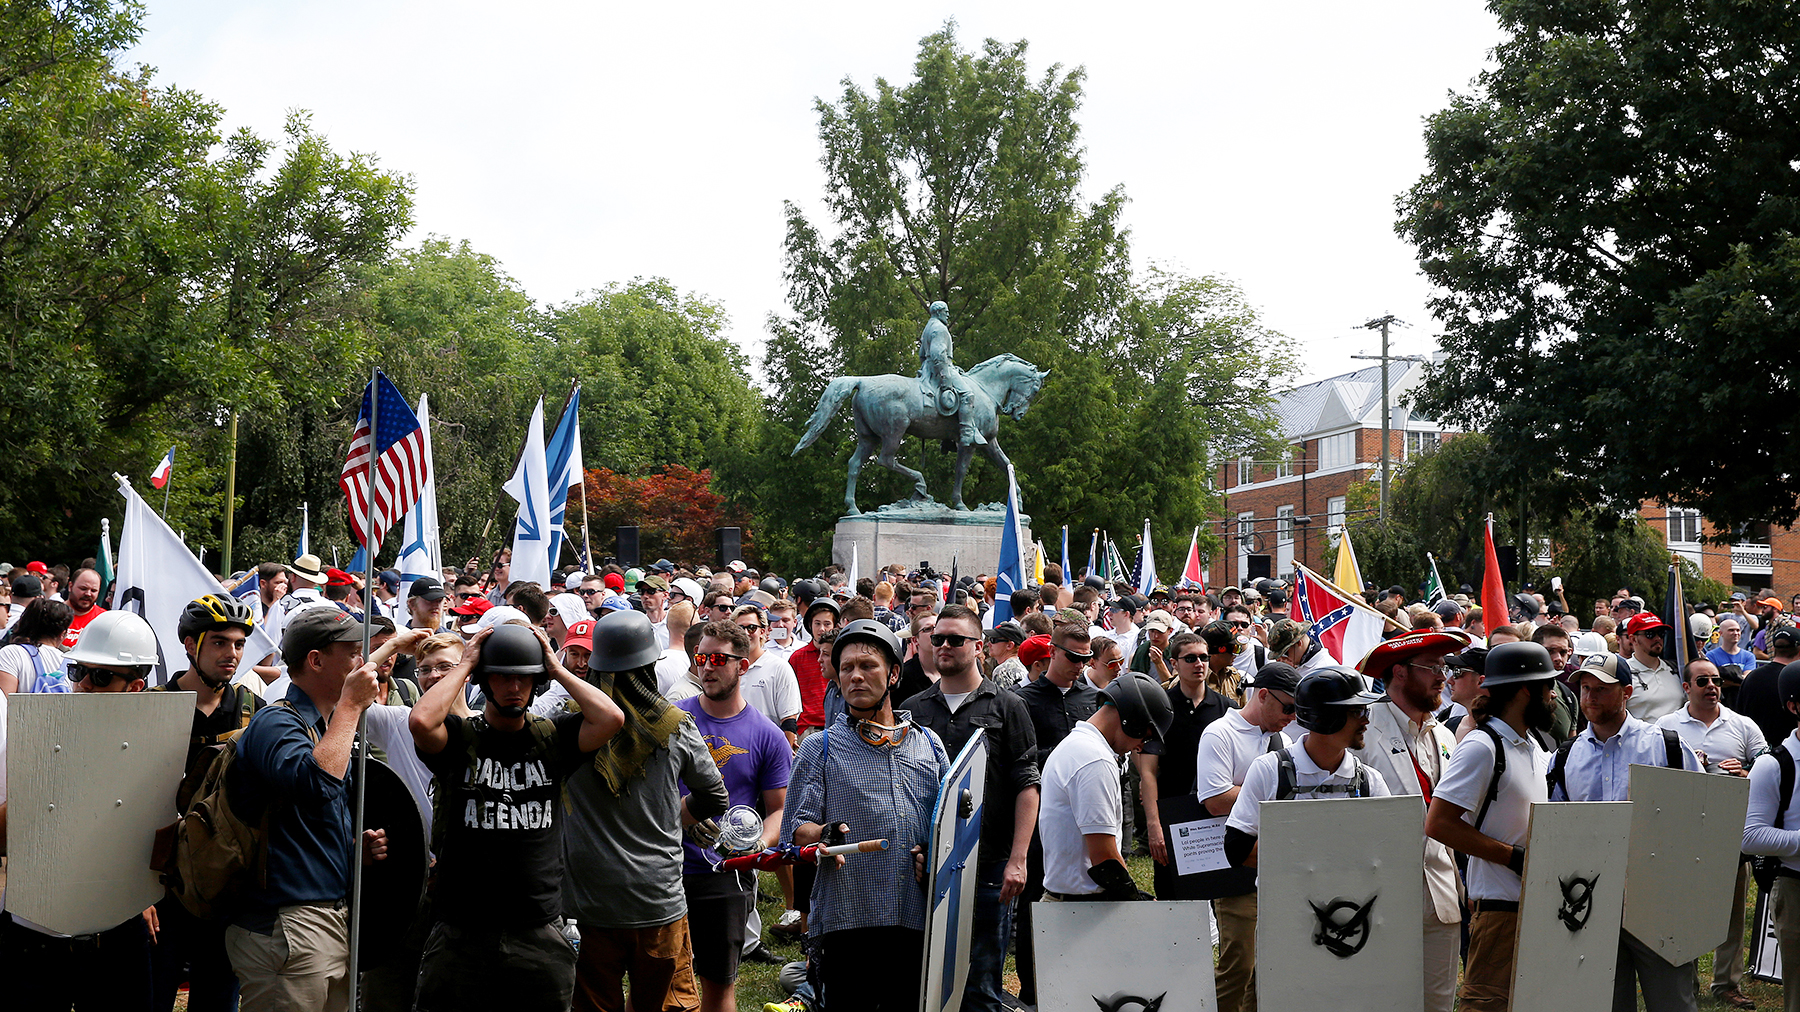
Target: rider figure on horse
[[944, 385]]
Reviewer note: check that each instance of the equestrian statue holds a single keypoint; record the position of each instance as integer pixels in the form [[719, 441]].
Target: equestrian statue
[[942, 402]]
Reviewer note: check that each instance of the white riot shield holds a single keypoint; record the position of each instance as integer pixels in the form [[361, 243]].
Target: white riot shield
[[950, 884], [1570, 909], [1765, 945], [90, 777], [1344, 922], [1124, 957], [1686, 829]]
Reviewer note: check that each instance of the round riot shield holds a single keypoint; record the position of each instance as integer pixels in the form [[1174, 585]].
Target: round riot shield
[[391, 887]]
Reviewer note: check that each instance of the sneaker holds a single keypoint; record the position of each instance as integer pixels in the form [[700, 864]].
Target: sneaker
[[792, 922], [791, 1005], [1733, 997]]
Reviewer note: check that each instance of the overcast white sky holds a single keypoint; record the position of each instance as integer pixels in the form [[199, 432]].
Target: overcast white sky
[[582, 144]]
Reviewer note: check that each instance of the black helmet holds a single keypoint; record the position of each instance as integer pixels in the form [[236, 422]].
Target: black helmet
[[1218, 636], [210, 612], [1144, 710], [1094, 580], [806, 590], [1323, 700], [1516, 662], [822, 604], [511, 650], [867, 630], [1788, 682], [623, 641], [771, 585]]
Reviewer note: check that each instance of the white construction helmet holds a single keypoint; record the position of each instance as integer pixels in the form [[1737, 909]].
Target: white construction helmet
[[116, 637]]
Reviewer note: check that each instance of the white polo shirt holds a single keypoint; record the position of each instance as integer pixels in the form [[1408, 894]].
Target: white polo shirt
[[1730, 736], [1656, 691], [1265, 774], [1080, 785], [1465, 785], [771, 687], [1227, 748]]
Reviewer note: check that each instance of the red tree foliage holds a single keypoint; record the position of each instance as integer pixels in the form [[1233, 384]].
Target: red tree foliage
[[676, 513]]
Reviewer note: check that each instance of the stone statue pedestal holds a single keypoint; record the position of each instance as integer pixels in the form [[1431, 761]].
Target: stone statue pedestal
[[909, 533]]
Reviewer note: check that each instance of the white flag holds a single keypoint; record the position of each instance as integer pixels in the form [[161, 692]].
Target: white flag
[[855, 570], [157, 577], [420, 554], [530, 488]]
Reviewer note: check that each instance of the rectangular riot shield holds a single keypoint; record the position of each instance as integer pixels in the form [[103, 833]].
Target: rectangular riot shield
[[1344, 922], [1686, 829], [1764, 945], [950, 879], [1124, 957], [1570, 908], [90, 777]]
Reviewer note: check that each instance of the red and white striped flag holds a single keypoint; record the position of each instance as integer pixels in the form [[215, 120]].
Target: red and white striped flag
[[400, 469], [1192, 576]]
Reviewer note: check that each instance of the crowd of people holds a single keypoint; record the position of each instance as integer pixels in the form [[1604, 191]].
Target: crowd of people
[[585, 757]]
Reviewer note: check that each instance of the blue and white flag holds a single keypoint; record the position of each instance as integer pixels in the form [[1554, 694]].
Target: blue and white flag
[[1010, 575], [563, 468], [1094, 554], [530, 488], [305, 530], [420, 551], [1145, 574], [1068, 574], [249, 588]]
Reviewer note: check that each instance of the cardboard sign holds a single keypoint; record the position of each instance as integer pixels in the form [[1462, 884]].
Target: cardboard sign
[[1124, 957], [90, 777], [1344, 922], [1569, 911], [1686, 829], [950, 882]]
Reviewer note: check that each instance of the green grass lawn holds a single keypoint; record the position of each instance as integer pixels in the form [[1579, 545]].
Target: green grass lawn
[[756, 982]]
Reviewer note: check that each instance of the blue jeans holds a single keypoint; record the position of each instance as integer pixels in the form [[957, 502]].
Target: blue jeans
[[988, 938]]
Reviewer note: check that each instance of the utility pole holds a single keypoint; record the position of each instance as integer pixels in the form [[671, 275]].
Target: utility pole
[[1382, 324]]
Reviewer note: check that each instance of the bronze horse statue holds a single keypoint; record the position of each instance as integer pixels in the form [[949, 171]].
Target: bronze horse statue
[[887, 408]]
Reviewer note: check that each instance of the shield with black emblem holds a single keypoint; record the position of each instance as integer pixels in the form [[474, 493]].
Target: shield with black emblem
[[1574, 893]]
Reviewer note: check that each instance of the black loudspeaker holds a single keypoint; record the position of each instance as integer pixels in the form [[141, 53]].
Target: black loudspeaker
[[1508, 556], [731, 545], [627, 549], [1258, 567]]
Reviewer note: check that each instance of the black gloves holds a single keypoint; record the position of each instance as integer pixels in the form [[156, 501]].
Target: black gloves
[[1115, 882]]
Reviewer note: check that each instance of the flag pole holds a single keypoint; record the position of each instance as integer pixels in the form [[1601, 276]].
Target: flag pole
[[362, 720], [169, 486], [230, 496]]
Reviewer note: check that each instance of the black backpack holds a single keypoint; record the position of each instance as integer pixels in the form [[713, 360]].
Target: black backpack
[[1765, 867], [1285, 787]]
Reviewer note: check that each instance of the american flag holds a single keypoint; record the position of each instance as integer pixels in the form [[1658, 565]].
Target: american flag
[[400, 464]]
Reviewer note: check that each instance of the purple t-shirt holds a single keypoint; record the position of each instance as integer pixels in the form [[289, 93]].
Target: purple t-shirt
[[753, 756]]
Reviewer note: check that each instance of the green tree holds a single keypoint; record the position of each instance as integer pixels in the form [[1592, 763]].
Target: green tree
[[964, 185], [154, 275], [1611, 217]]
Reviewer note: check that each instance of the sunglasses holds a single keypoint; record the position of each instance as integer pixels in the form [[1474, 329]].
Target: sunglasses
[[590, 592], [715, 660], [751, 626], [950, 640], [1192, 658], [460, 596], [1073, 656], [99, 678], [1240, 625], [1287, 708], [1706, 680]]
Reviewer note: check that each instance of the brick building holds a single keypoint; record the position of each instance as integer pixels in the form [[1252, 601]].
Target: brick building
[[1288, 510], [1757, 557]]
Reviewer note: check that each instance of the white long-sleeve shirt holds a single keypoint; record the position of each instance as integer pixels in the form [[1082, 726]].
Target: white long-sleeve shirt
[[1760, 834]]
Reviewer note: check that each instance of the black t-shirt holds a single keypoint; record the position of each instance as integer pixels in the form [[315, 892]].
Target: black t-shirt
[[500, 862], [227, 717], [1759, 698], [913, 680], [1181, 746]]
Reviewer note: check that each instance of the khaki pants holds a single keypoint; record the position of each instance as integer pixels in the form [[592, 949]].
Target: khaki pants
[[1488, 970], [1443, 944], [1236, 975], [1728, 958], [1786, 915], [301, 965], [660, 962]]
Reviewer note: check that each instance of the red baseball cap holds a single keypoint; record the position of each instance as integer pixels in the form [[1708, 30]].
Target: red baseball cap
[[581, 634], [615, 581], [1034, 649], [1643, 622], [472, 607], [335, 577], [38, 568]]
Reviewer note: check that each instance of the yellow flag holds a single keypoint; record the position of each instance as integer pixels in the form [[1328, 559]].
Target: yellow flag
[[1348, 574], [1037, 564]]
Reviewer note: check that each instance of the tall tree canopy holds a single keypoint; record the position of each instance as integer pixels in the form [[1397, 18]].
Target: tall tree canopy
[[965, 185], [1611, 217]]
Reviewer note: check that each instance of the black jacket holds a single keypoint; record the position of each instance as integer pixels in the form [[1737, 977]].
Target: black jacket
[[1012, 752]]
